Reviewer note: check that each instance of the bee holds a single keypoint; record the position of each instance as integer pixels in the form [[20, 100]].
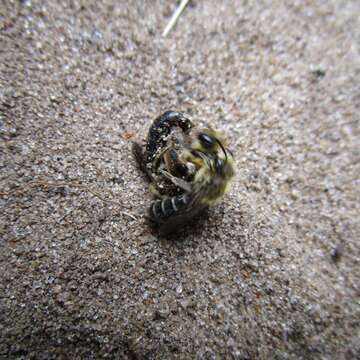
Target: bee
[[199, 166], [214, 170], [161, 161]]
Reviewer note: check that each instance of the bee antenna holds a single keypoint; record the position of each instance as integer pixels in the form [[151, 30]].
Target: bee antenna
[[222, 148]]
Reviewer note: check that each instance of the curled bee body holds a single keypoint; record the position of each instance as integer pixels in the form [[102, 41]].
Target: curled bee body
[[161, 129], [198, 166], [215, 169], [164, 141]]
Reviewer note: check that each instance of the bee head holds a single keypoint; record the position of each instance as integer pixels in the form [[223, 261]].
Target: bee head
[[224, 168], [215, 165], [208, 142]]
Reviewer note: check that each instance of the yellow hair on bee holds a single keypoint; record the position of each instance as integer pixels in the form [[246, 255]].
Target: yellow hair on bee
[[210, 134], [214, 182]]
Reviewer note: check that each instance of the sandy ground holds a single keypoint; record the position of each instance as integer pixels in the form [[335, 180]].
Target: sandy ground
[[271, 273]]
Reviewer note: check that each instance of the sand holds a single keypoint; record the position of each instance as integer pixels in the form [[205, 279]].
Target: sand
[[270, 273]]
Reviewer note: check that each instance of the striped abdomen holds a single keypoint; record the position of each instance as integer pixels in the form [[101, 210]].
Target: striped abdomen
[[173, 212], [162, 210]]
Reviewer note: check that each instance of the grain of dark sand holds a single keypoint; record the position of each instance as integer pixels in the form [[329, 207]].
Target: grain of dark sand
[[271, 273]]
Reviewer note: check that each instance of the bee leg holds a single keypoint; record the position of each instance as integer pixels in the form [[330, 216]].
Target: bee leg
[[182, 184], [158, 157], [155, 191], [161, 128], [174, 165]]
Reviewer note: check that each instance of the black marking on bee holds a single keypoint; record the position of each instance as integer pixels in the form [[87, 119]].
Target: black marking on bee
[[161, 128], [174, 165], [173, 203], [219, 165], [172, 213], [161, 210], [206, 140], [156, 140]]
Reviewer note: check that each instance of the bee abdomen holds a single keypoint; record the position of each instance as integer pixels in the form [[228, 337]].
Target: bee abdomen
[[161, 210], [161, 128]]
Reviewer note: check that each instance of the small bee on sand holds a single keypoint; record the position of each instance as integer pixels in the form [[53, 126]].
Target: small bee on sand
[[189, 169]]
